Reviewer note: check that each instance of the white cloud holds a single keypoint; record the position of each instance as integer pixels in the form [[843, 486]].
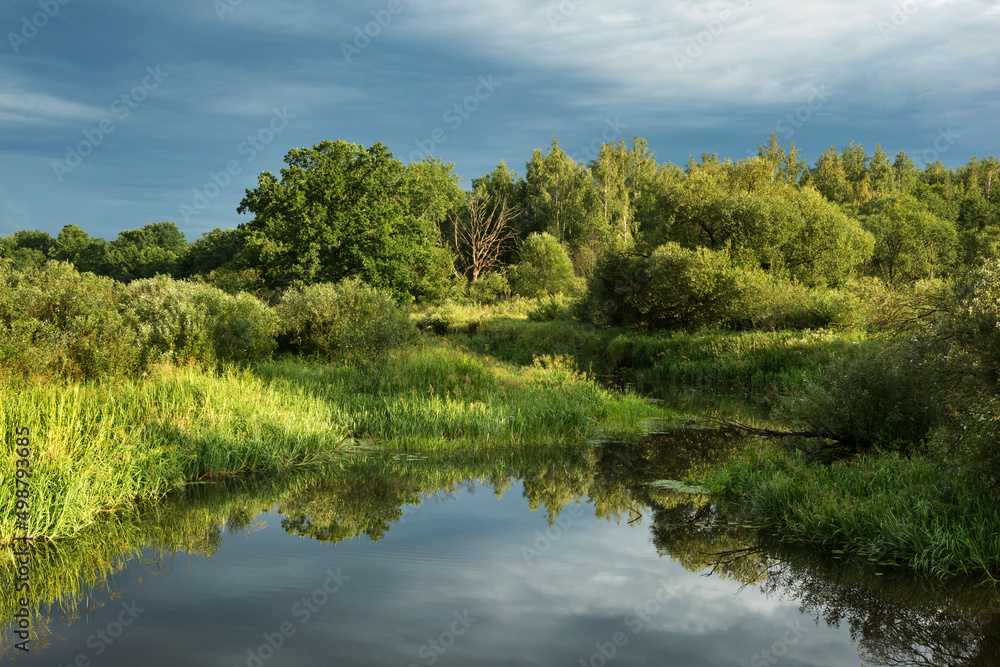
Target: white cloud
[[30, 107]]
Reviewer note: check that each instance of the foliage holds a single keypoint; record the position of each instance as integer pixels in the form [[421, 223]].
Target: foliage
[[884, 397], [553, 307], [338, 211], [346, 319], [75, 246], [544, 268], [673, 288], [183, 322], [55, 321], [143, 253], [490, 289], [910, 242], [214, 250]]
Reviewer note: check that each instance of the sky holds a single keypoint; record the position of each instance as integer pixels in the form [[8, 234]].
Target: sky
[[119, 113]]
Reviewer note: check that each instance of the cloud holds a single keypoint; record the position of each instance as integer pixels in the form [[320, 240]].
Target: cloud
[[28, 107]]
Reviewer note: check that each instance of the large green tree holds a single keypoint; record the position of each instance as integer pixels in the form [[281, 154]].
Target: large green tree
[[155, 249], [83, 251], [339, 210]]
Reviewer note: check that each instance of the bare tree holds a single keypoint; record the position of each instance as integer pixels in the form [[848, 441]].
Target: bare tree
[[482, 233]]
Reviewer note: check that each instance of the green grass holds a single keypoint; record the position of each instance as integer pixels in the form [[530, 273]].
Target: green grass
[[98, 447], [888, 508], [710, 359], [439, 395]]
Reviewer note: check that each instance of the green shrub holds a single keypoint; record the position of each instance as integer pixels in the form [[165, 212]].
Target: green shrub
[[490, 289], [885, 396], [184, 322], [774, 303], [673, 288], [55, 321], [344, 319], [552, 307], [545, 268]]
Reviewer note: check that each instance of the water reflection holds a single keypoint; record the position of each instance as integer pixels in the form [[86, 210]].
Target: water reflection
[[893, 618]]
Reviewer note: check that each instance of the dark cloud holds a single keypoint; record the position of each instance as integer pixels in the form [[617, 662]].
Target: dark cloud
[[691, 77]]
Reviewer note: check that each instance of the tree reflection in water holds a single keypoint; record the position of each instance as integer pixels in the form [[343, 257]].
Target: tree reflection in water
[[894, 617]]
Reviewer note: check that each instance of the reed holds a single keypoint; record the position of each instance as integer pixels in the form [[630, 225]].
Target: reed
[[887, 508], [97, 448]]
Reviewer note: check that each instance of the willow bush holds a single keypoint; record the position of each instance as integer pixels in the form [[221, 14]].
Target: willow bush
[[55, 321], [183, 322], [345, 319]]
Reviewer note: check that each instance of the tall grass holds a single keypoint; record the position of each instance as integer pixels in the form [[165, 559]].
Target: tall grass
[[97, 448], [441, 396], [711, 359], [888, 508]]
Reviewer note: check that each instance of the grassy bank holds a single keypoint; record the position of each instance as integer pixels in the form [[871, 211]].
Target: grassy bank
[[719, 359], [99, 447], [889, 508]]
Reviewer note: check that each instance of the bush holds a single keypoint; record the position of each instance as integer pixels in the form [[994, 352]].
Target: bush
[[773, 303], [552, 307], [545, 268], [56, 321], [490, 289], [883, 397], [673, 288], [344, 319], [184, 322]]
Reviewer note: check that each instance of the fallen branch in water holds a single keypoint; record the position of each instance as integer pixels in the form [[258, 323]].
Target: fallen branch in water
[[832, 443]]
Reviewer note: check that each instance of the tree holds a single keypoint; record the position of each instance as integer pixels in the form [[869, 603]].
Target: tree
[[560, 199], [544, 269], [625, 177], [910, 242], [213, 250], [75, 246], [481, 234], [339, 210], [434, 190], [830, 178], [155, 249]]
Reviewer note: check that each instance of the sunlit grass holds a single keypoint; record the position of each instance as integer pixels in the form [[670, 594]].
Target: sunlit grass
[[441, 396], [911, 511], [99, 447]]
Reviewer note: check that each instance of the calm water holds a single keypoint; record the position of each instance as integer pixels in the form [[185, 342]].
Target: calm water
[[561, 557]]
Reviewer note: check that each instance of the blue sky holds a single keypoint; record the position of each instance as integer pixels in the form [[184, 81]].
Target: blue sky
[[115, 114]]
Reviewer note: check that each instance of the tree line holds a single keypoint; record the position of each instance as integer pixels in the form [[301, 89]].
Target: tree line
[[340, 210]]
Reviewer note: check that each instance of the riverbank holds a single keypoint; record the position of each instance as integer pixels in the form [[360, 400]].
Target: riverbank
[[99, 447], [884, 508]]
